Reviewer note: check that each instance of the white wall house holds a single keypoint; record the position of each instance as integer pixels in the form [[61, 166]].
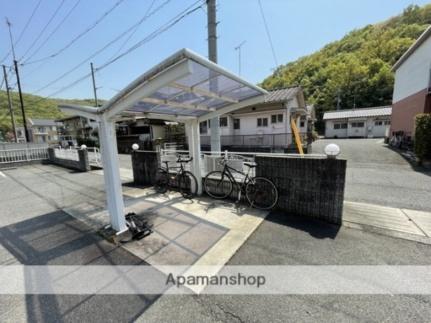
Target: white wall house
[[266, 124], [358, 123], [43, 130], [412, 89]]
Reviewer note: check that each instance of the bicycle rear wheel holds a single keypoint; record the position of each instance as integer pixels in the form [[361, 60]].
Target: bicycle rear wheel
[[162, 181], [217, 185], [187, 184], [261, 193]]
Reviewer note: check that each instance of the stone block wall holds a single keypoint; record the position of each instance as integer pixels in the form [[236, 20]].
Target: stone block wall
[[81, 165], [145, 164], [306, 186]]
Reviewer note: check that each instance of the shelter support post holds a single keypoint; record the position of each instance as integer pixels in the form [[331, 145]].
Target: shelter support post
[[194, 143], [111, 173]]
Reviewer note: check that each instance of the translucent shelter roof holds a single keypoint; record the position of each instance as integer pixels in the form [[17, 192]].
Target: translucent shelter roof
[[183, 86]]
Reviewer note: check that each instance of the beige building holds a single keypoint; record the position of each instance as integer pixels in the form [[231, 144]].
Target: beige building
[[43, 130]]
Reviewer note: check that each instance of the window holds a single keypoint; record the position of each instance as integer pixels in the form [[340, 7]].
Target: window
[[41, 129], [203, 127], [387, 122], [280, 118], [340, 125], [276, 118], [262, 122], [223, 121], [378, 123], [357, 124], [236, 124], [302, 124]]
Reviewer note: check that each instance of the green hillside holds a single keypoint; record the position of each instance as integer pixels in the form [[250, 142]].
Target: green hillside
[[35, 107], [357, 67]]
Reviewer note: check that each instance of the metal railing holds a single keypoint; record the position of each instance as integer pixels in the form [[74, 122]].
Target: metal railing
[[279, 140], [210, 161], [23, 155], [94, 156]]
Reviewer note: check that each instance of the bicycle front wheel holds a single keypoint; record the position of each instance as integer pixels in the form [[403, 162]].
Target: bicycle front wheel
[[261, 193], [217, 185], [187, 184]]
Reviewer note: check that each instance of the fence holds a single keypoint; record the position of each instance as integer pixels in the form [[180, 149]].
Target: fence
[[280, 140], [309, 185], [70, 154], [210, 161], [14, 145], [23, 155], [70, 158]]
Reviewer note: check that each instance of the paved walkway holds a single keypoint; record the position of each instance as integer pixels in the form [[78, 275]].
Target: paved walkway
[[402, 223], [196, 233]]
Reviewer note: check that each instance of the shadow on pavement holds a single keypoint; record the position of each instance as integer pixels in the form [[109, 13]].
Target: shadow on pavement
[[58, 239], [410, 158], [317, 229]]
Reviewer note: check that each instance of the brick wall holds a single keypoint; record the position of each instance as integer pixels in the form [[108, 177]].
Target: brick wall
[[82, 164], [307, 187]]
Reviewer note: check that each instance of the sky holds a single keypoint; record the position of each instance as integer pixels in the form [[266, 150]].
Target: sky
[[297, 28]]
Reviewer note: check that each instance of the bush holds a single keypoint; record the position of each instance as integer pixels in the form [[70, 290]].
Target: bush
[[423, 137]]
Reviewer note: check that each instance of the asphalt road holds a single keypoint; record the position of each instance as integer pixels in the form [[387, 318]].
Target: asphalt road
[[283, 240], [379, 175]]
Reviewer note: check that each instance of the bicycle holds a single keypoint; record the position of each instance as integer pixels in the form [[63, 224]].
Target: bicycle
[[260, 192], [186, 181]]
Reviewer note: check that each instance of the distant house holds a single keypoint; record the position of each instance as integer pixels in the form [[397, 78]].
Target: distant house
[[266, 124], [43, 130], [76, 127], [412, 90], [358, 123]]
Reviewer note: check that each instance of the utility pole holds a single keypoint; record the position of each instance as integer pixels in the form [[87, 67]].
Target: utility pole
[[212, 55], [94, 85], [9, 100], [21, 100], [24, 120], [238, 48]]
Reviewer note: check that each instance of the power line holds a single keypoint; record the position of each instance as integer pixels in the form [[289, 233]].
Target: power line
[[268, 34], [103, 48], [156, 33], [133, 32], [172, 22], [80, 35], [44, 28], [53, 31], [23, 30]]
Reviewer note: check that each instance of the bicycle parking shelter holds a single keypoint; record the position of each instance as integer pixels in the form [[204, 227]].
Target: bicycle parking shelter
[[185, 87]]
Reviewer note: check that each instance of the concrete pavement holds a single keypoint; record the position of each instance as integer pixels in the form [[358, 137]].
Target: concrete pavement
[[378, 175]]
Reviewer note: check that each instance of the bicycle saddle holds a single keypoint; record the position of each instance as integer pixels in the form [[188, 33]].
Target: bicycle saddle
[[250, 165]]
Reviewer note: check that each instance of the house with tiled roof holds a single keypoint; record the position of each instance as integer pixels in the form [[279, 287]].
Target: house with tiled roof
[[266, 125]]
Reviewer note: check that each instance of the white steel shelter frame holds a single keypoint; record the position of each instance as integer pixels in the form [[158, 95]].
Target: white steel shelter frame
[[185, 87]]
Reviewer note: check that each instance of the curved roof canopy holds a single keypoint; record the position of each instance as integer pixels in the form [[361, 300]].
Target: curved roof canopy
[[183, 86]]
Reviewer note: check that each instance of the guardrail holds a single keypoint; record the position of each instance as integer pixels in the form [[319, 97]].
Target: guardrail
[[23, 155]]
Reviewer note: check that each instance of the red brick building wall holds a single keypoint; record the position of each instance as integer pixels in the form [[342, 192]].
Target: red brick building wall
[[404, 111]]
